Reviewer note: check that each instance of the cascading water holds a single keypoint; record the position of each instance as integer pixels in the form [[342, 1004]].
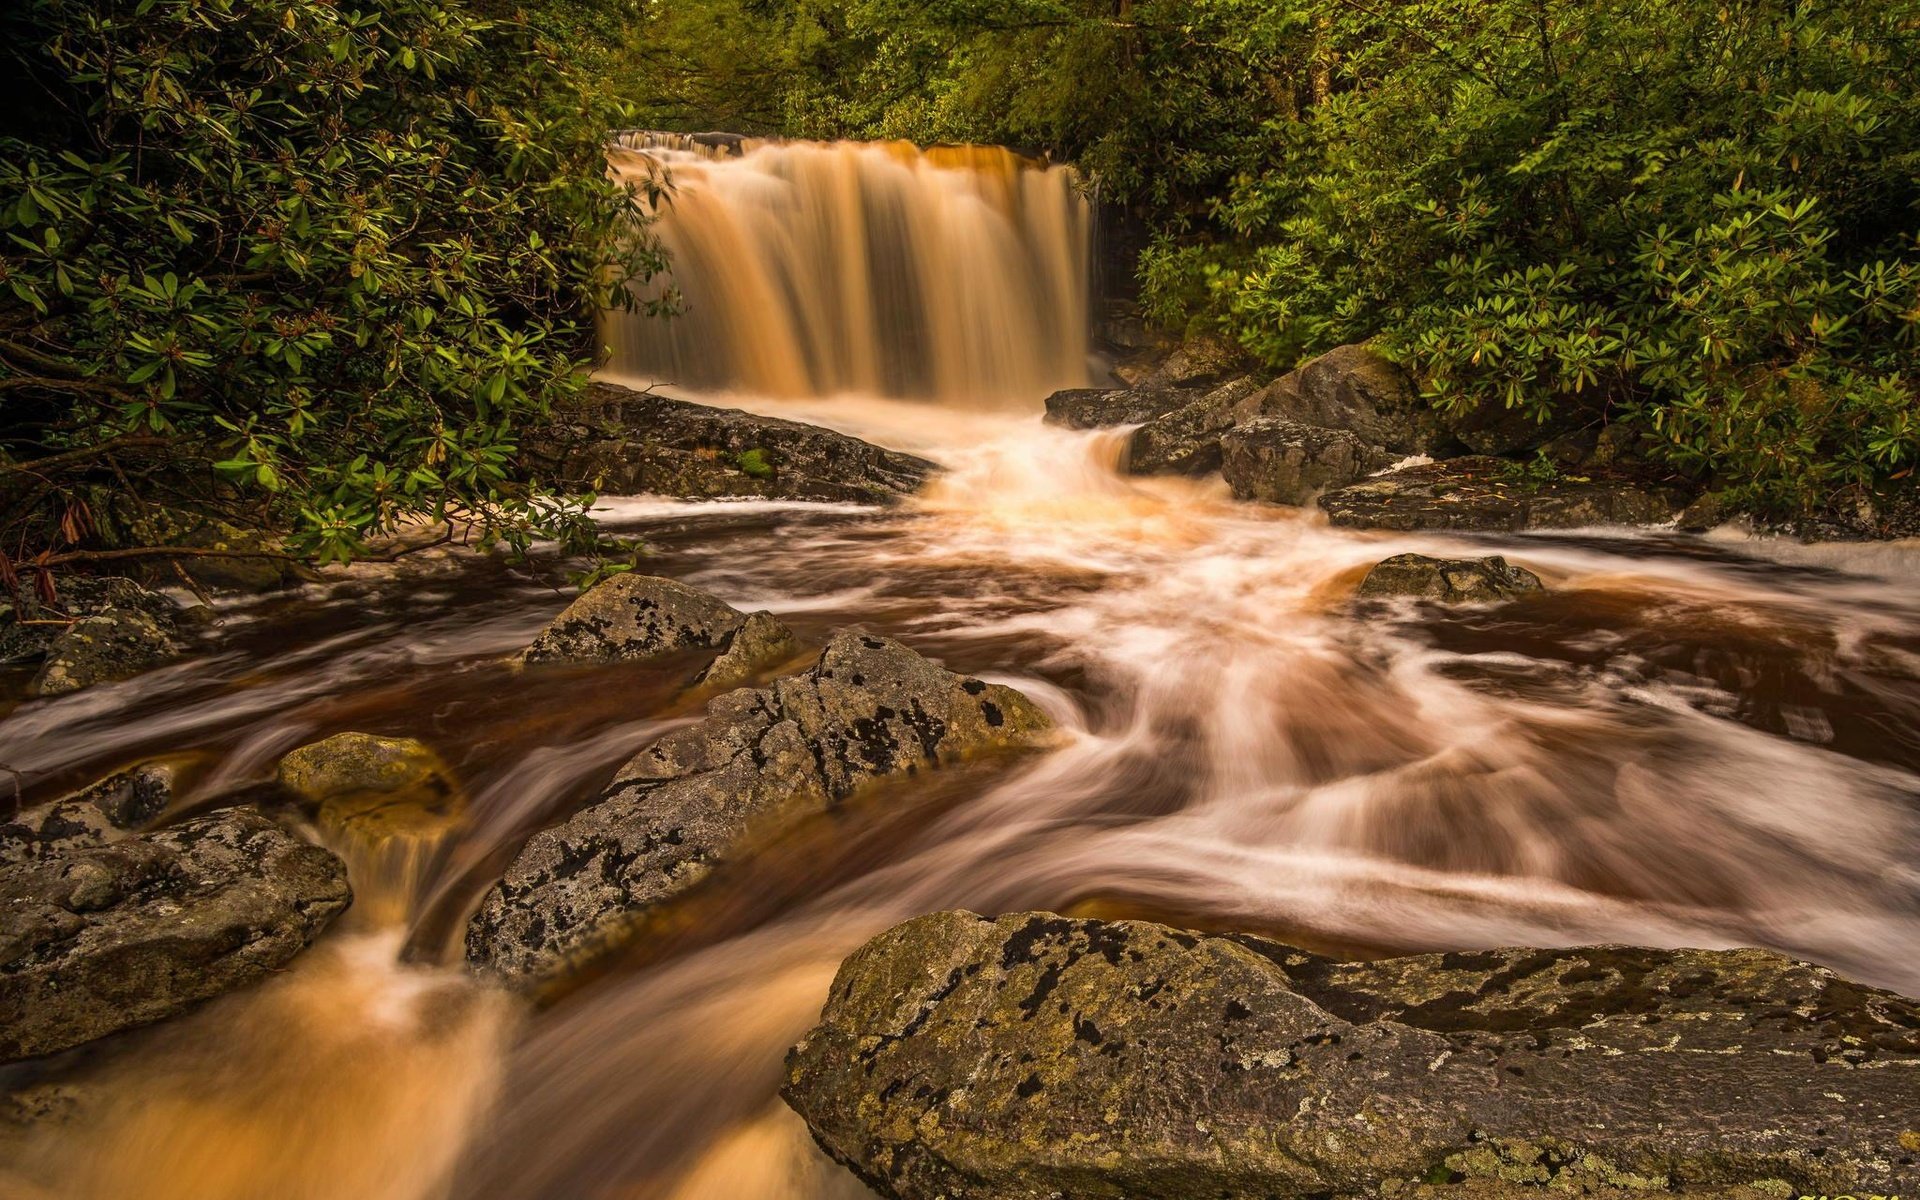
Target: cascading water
[[1684, 742], [810, 269]]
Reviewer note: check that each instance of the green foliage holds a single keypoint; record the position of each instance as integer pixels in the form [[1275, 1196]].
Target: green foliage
[[754, 464], [340, 253], [1697, 216]]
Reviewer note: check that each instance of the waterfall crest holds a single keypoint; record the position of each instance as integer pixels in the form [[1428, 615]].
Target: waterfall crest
[[804, 269]]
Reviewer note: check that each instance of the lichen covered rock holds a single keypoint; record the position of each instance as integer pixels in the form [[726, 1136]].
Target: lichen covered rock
[[635, 618], [1281, 461], [760, 642], [100, 813], [868, 708], [1359, 390], [97, 631], [1034, 1056], [109, 937], [1494, 495], [622, 441], [1448, 580], [347, 764]]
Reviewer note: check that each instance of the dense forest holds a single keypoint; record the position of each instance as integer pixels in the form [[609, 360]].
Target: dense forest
[[316, 266]]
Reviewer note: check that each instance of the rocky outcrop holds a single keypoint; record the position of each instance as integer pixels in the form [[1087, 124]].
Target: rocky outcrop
[[1361, 391], [1187, 440], [1285, 462], [1030, 1056], [96, 631], [623, 441], [1491, 494], [105, 938], [1099, 408], [93, 816], [1448, 580], [869, 708]]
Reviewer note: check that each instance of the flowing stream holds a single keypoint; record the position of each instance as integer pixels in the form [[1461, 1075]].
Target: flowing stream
[[1687, 741]]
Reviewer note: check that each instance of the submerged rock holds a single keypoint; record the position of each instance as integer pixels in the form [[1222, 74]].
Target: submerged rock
[[1036, 1056], [106, 938], [620, 440], [1098, 408], [93, 816], [1495, 495], [869, 708], [635, 618], [1187, 440], [1449, 580], [1285, 462]]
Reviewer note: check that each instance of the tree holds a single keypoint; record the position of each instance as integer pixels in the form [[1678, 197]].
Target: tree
[[317, 259]]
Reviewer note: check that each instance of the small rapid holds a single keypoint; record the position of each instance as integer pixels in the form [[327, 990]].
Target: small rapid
[[1685, 742]]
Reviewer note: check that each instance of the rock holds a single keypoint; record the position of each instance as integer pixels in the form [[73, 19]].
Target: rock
[[1495, 429], [115, 644], [1284, 462], [1710, 511], [1187, 441], [619, 440], [1449, 580], [29, 626], [635, 618], [1036, 1056], [1098, 408], [1361, 391], [270, 571], [1496, 495], [869, 708], [111, 937], [759, 643], [349, 764], [94, 816]]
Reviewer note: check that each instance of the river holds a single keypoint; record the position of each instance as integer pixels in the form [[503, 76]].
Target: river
[[1687, 741]]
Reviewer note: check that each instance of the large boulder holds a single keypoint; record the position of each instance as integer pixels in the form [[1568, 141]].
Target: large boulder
[[1099, 408], [352, 763], [1187, 440], [1448, 580], [620, 440], [100, 813], [105, 938], [1490, 494], [869, 708], [1034, 1056], [1285, 462], [1360, 390]]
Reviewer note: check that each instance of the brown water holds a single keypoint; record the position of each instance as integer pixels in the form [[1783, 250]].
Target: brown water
[[1687, 742]]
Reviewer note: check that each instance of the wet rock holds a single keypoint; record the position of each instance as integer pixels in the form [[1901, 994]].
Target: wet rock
[[93, 816], [115, 644], [760, 642], [111, 937], [1195, 362], [348, 764], [1361, 391], [1449, 580], [635, 618], [1496, 495], [867, 709], [1187, 440], [1032, 1056], [235, 568], [1285, 462], [1098, 408], [94, 631], [619, 440]]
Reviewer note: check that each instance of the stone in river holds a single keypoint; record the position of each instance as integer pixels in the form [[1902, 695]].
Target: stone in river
[[1448, 580]]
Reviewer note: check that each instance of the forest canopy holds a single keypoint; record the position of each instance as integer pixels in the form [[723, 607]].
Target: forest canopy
[[1697, 218]]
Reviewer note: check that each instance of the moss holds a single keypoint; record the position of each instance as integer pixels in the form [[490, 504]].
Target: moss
[[755, 465]]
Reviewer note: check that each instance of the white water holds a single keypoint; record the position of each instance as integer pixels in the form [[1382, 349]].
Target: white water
[[1684, 744]]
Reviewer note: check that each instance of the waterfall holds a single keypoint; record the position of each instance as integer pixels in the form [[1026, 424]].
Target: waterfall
[[806, 269]]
